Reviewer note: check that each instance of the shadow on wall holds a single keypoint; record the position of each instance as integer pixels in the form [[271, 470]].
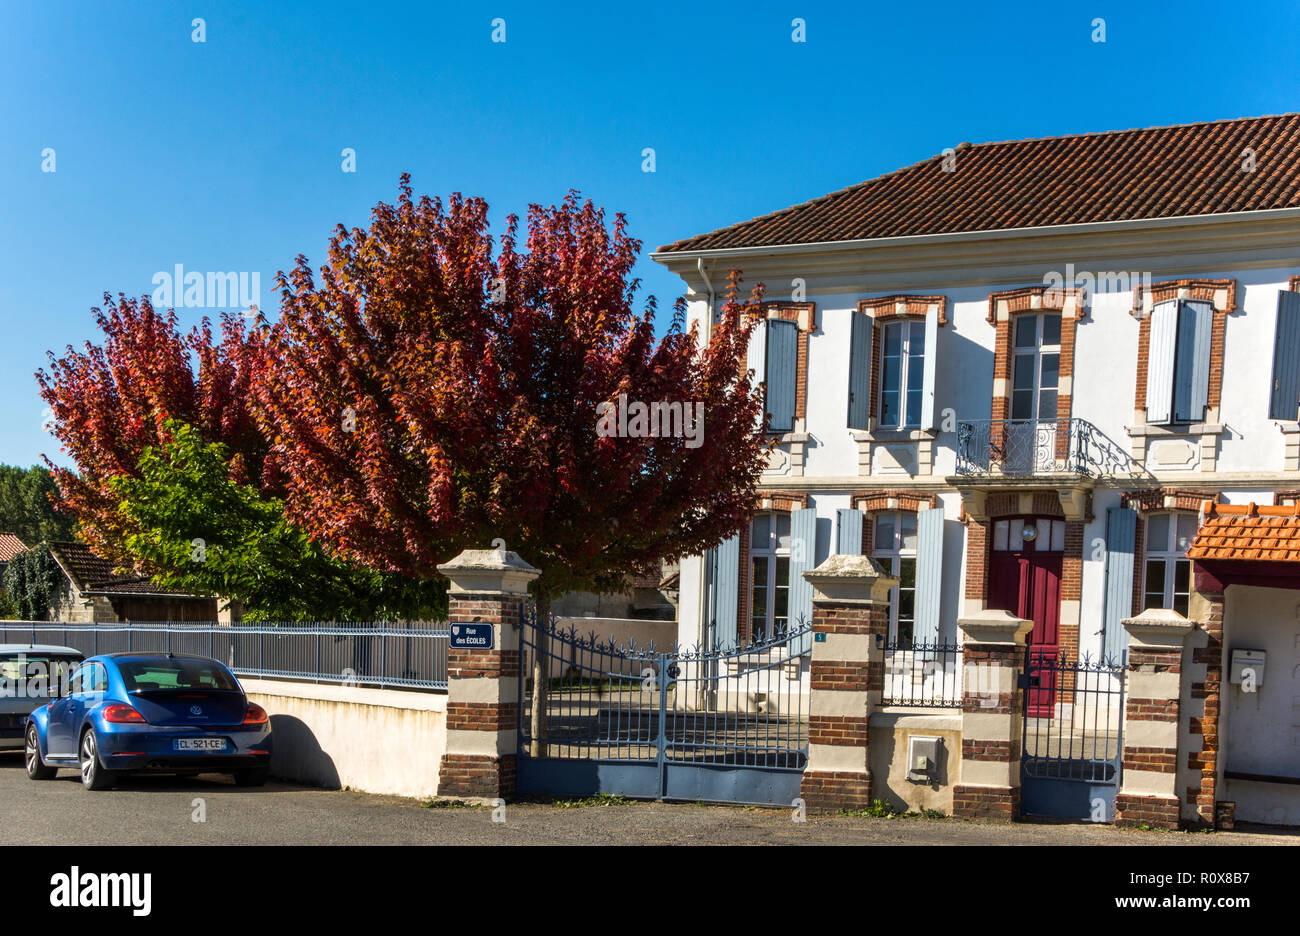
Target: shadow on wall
[[298, 756]]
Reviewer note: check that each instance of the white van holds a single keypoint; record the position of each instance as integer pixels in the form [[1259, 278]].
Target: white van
[[30, 676]]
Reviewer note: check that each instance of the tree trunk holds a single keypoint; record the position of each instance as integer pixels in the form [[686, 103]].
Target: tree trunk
[[541, 673]]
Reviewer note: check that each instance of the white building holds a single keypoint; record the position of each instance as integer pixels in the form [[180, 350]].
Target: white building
[[1013, 373]]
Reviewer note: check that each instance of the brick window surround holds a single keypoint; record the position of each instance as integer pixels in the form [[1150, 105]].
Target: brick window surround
[[1004, 307], [1221, 293], [768, 502], [873, 502], [1157, 500], [893, 308], [804, 315]]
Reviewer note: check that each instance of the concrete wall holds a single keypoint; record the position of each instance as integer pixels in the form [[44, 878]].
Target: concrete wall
[[375, 740], [890, 732]]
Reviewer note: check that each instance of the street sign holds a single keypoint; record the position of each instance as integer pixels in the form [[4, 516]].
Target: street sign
[[471, 637]]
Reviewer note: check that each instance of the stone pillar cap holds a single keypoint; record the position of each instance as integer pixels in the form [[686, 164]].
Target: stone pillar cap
[[1158, 627], [991, 626], [848, 579], [488, 571]]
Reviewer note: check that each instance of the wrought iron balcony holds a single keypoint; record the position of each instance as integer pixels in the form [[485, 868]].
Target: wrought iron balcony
[[1021, 447]]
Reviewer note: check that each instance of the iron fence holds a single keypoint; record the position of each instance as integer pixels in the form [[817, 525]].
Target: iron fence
[[381, 655], [923, 674]]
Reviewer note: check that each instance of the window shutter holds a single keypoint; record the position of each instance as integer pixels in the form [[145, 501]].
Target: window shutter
[[848, 532], [1160, 361], [931, 360], [1285, 402], [859, 370], [1121, 528], [782, 358], [1192, 360], [756, 360], [929, 574], [803, 556], [726, 591]]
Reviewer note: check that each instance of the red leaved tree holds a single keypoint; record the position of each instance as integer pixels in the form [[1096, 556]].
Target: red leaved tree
[[107, 404], [424, 394]]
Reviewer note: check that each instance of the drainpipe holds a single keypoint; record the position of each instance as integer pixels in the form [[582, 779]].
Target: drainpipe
[[704, 635], [699, 267]]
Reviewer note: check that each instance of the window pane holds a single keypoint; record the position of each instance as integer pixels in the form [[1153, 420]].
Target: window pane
[[893, 339], [1155, 580], [758, 596], [1022, 404], [1180, 604], [915, 370], [1047, 404], [913, 409], [1000, 535], [1158, 533], [1186, 531], [1023, 379], [1016, 534], [909, 530], [761, 532], [889, 408], [781, 597], [884, 538], [783, 531], [1182, 576], [1051, 329], [1058, 535], [906, 592], [1043, 541], [1050, 377], [1026, 331], [916, 340]]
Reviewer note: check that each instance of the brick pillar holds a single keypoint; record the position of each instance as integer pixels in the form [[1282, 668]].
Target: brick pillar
[[1148, 793], [1205, 726], [850, 620], [993, 653], [490, 587]]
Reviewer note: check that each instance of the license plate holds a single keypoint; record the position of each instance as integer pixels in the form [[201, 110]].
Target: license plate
[[200, 744]]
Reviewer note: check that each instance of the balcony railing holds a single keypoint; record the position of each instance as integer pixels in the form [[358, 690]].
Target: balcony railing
[[1027, 447]]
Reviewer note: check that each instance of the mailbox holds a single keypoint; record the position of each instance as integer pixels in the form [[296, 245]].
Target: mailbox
[[1243, 660], [923, 758]]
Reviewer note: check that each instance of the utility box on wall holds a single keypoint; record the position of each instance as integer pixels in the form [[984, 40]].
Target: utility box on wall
[[1243, 660], [923, 755]]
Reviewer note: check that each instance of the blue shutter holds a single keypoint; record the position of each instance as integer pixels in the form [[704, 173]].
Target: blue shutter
[[848, 532], [929, 574], [1285, 402], [1160, 361], [756, 360], [931, 364], [859, 370], [1121, 527], [803, 556], [726, 590], [1192, 361], [782, 360]]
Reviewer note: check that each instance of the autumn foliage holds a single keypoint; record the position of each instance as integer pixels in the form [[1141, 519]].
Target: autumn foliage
[[424, 394]]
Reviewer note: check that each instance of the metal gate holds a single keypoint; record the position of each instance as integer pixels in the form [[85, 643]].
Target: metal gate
[[1073, 743], [722, 726]]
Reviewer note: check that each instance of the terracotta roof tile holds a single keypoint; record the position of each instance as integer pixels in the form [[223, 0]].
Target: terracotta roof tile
[[10, 546], [1248, 531], [1160, 172]]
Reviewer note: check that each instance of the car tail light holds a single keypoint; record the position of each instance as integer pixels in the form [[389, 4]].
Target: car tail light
[[123, 715], [255, 715]]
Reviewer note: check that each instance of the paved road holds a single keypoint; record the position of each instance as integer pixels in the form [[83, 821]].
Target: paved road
[[158, 810]]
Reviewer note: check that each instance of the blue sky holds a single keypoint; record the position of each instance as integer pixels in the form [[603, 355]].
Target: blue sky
[[226, 155]]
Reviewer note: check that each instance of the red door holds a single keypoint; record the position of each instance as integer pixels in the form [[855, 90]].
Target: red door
[[1028, 584]]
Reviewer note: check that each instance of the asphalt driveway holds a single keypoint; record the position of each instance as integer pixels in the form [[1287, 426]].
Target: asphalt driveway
[[163, 810]]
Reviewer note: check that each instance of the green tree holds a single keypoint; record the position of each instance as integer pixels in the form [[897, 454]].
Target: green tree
[[27, 506], [199, 530], [34, 582]]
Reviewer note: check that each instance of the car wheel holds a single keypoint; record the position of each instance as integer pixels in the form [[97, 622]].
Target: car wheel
[[93, 774], [252, 776], [37, 769]]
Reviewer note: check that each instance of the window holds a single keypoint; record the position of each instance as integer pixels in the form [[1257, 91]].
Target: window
[[769, 575], [1178, 361], [1016, 535], [89, 677], [1167, 573], [894, 547], [902, 374], [1036, 366], [774, 358]]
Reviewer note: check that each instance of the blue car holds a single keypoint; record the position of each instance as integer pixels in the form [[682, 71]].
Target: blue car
[[149, 712]]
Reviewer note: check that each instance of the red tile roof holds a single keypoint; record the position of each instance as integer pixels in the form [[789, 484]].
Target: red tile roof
[[1122, 175], [92, 574], [1248, 531], [10, 546]]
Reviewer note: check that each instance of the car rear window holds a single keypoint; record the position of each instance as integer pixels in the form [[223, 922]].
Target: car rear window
[[146, 675], [36, 674]]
